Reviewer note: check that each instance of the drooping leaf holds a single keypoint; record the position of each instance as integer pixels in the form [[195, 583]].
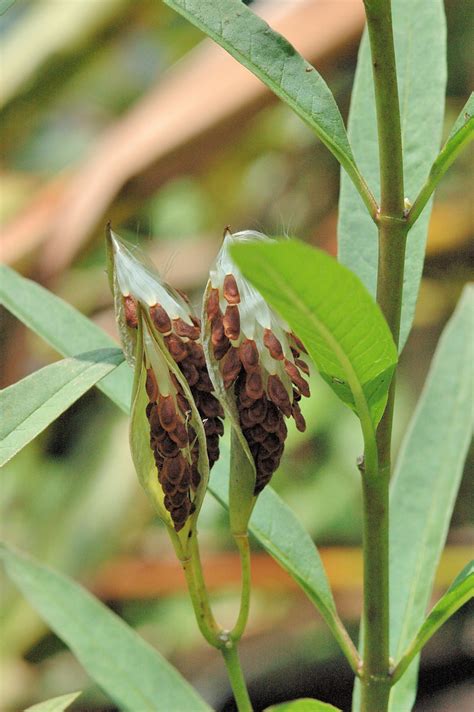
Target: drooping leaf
[[305, 704], [55, 704], [334, 315], [277, 64], [127, 668], [63, 327], [30, 405], [427, 477], [461, 135], [460, 591], [420, 45]]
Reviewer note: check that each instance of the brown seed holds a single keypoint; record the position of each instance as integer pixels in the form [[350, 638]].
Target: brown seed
[[176, 347], [189, 331], [160, 319], [190, 372], [195, 477], [302, 365], [173, 468], [196, 354], [271, 444], [273, 345], [258, 409], [151, 386], [167, 412], [231, 290], [230, 367], [231, 322], [180, 514], [272, 418], [221, 348], [248, 354], [167, 448], [257, 434], [130, 311], [212, 306], [254, 385], [297, 378], [210, 406], [179, 497], [204, 383], [299, 343], [179, 435], [245, 401], [298, 418], [265, 464], [183, 404], [155, 425], [277, 393], [217, 331], [246, 419], [169, 488]]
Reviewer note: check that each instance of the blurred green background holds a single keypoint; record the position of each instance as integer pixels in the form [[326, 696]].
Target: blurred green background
[[115, 109]]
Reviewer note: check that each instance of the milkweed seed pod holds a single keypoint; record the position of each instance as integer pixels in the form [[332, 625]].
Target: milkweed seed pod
[[176, 420], [254, 360]]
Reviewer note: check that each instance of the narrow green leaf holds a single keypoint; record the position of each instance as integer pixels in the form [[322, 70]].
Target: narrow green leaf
[[30, 405], [63, 327], [461, 135], [55, 704], [127, 668], [459, 593], [420, 45], [334, 315], [277, 64], [281, 534], [427, 477], [305, 704]]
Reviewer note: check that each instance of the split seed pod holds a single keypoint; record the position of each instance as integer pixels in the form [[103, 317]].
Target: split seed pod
[[256, 367], [176, 420]]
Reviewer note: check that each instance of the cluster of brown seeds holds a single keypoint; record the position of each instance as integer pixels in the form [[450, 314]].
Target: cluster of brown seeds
[[172, 438], [262, 399]]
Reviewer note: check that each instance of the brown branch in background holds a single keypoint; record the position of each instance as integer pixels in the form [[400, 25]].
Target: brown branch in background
[[178, 126]]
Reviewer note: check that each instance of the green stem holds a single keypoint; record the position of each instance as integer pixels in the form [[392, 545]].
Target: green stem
[[242, 543], [215, 635], [375, 678], [208, 626], [237, 681]]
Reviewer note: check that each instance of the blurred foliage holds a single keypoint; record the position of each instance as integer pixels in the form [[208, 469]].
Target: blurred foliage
[[71, 71]]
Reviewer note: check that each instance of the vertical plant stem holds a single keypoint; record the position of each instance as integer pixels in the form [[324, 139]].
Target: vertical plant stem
[[392, 226], [237, 681]]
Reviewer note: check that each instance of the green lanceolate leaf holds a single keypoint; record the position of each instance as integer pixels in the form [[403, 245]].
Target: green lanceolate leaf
[[305, 704], [334, 315], [30, 405], [277, 64], [281, 534], [55, 704], [420, 45], [127, 668], [461, 135], [63, 327], [459, 593], [427, 477]]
